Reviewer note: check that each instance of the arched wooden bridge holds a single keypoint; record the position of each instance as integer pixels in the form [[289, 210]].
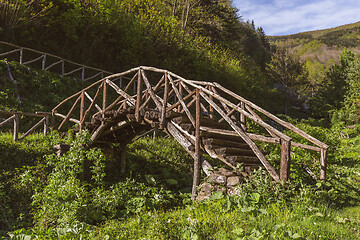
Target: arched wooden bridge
[[204, 117]]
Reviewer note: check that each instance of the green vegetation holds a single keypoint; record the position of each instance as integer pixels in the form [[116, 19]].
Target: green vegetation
[[84, 195]]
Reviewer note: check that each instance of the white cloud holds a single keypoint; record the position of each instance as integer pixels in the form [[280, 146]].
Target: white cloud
[[278, 17]]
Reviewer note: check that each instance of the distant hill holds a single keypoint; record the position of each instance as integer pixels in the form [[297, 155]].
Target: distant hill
[[322, 45], [321, 49]]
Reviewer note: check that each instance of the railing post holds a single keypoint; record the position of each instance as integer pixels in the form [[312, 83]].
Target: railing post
[[21, 56], [165, 100], [104, 98], [82, 107], [285, 160], [323, 154], [242, 117], [46, 125], [43, 62], [196, 178], [211, 108], [138, 97], [16, 127]]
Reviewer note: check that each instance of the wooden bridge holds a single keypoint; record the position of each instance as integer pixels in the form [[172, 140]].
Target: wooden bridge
[[204, 117]]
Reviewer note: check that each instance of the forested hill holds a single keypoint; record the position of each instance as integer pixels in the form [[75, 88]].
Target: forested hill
[[323, 46], [199, 39]]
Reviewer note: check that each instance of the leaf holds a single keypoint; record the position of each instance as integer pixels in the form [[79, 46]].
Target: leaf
[[295, 236], [171, 181], [217, 195], [238, 231]]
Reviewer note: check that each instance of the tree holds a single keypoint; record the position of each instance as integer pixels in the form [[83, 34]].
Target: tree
[[287, 69]]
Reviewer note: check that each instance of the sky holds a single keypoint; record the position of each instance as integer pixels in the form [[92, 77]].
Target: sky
[[282, 17]]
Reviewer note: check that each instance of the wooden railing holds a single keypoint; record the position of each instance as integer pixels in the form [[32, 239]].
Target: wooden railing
[[173, 93], [15, 118], [50, 62]]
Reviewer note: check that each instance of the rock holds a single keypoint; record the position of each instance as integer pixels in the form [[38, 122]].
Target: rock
[[217, 178], [61, 149], [226, 172], [232, 181], [201, 198], [205, 189]]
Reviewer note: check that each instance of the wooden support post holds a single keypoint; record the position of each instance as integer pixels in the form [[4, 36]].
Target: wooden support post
[[46, 125], [83, 74], [164, 103], [138, 97], [43, 65], [242, 117], [197, 159], [323, 154], [62, 68], [21, 55], [16, 127], [285, 160], [82, 107]]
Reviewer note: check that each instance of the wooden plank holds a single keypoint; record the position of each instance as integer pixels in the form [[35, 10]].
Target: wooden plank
[[164, 103], [232, 151], [285, 160], [138, 98], [273, 117], [33, 128], [242, 117], [70, 119], [228, 134], [16, 127], [222, 142], [242, 134], [7, 120], [196, 178], [323, 154]]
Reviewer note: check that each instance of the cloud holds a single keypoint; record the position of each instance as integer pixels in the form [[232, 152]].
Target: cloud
[[279, 17]]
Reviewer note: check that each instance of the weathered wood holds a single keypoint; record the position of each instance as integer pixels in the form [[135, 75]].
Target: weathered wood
[[196, 178], [70, 119], [16, 127], [177, 104], [91, 104], [46, 125], [242, 134], [9, 52], [242, 117], [37, 114], [248, 115], [75, 70], [150, 90], [34, 60], [323, 154], [300, 145], [82, 107], [232, 135], [257, 116], [273, 117], [229, 113], [38, 124], [7, 120], [242, 159], [180, 99], [285, 160], [69, 113], [233, 151], [164, 103], [223, 142], [129, 98], [104, 95], [138, 97]]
